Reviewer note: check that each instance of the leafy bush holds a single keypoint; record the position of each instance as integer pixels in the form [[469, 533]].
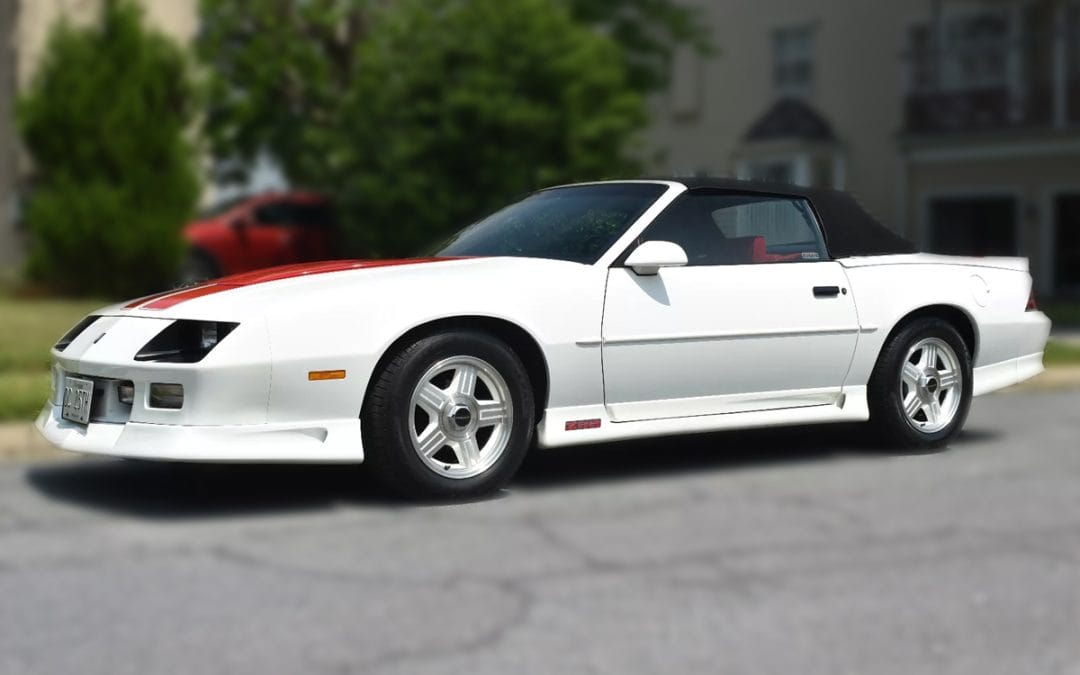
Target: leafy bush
[[105, 121]]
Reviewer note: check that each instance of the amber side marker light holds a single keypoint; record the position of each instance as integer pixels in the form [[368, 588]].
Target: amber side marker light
[[321, 375]]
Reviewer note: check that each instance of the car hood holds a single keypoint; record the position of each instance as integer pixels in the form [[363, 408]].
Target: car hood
[[291, 287]]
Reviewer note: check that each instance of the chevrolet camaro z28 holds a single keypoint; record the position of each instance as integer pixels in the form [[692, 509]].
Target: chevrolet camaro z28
[[579, 314]]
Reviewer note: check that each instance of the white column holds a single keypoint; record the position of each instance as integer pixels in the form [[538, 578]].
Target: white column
[[1061, 67], [742, 169], [801, 174], [1016, 64]]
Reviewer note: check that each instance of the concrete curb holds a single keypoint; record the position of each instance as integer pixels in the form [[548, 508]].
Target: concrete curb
[[1052, 379], [19, 441]]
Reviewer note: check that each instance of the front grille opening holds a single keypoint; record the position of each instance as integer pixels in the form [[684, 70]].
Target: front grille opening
[[106, 405]]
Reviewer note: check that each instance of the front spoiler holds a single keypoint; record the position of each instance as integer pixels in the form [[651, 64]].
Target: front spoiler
[[324, 441]]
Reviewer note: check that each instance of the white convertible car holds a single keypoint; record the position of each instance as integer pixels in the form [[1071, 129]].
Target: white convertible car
[[580, 314]]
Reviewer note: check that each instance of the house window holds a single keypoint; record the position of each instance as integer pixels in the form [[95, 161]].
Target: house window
[[977, 50], [1072, 40], [793, 61]]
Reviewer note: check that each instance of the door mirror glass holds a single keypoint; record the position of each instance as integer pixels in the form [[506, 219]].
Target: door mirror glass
[[650, 257]]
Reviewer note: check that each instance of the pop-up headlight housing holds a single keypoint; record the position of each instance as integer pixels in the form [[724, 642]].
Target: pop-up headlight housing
[[75, 332], [185, 341]]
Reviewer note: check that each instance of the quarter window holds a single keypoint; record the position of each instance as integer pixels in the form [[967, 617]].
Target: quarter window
[[734, 229]]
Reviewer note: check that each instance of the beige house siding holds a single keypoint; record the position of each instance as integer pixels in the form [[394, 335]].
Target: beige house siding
[[24, 33], [858, 71], [176, 18], [893, 146]]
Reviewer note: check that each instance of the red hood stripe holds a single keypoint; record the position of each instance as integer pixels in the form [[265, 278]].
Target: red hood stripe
[[147, 298], [175, 297]]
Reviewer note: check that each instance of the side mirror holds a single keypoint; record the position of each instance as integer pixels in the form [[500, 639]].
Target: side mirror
[[239, 225], [647, 259]]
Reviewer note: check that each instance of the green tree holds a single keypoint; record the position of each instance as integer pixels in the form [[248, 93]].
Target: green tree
[[106, 122], [448, 108], [647, 31], [459, 106]]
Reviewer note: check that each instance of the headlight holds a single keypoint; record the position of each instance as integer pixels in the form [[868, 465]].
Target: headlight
[[185, 341]]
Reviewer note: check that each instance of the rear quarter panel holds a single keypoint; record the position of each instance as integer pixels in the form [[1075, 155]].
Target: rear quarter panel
[[993, 298]]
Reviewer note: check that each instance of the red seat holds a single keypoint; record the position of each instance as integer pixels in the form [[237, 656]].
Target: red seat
[[746, 250], [761, 253]]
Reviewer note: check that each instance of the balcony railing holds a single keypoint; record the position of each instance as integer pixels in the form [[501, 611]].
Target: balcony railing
[[987, 109], [994, 71]]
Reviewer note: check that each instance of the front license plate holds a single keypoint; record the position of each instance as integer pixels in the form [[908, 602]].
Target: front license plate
[[78, 395]]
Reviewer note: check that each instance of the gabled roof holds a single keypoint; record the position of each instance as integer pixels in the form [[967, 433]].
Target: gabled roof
[[790, 119]]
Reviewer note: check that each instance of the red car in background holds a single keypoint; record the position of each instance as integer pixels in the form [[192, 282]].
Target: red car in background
[[261, 231]]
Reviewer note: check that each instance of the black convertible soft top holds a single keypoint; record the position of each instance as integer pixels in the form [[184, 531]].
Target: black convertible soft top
[[849, 230]]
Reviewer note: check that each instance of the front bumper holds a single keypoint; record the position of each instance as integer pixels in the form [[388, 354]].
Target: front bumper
[[324, 441]]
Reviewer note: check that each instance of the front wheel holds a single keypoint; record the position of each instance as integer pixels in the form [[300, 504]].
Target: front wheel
[[920, 390], [450, 415]]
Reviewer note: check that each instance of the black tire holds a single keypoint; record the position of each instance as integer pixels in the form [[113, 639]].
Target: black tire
[[887, 416], [198, 266], [388, 413]]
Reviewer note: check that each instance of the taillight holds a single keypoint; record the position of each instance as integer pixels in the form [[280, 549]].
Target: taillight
[[1032, 305]]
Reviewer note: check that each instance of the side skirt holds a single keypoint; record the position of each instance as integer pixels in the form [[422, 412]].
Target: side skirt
[[577, 425]]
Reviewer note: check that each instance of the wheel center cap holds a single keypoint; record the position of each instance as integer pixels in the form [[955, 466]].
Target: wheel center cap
[[460, 416], [932, 385]]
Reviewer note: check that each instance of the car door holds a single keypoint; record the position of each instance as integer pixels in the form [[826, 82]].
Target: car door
[[758, 319]]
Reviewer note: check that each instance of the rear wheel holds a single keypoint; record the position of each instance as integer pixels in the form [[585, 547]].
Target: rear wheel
[[920, 391], [450, 415]]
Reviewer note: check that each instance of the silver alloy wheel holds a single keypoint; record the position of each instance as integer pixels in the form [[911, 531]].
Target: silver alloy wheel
[[931, 385], [461, 417]]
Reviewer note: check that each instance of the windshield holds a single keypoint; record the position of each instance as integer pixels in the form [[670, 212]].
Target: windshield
[[577, 224]]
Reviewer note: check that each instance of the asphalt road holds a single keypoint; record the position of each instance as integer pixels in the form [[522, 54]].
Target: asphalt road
[[769, 552]]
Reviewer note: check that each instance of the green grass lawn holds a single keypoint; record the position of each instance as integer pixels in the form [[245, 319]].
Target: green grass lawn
[[28, 329], [1062, 313], [1061, 354]]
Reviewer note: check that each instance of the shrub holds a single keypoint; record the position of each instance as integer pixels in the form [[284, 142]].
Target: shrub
[[105, 121]]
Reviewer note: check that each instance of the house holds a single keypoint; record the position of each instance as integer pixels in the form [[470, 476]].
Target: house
[[955, 121]]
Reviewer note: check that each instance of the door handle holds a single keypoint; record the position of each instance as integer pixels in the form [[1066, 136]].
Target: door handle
[[826, 291]]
